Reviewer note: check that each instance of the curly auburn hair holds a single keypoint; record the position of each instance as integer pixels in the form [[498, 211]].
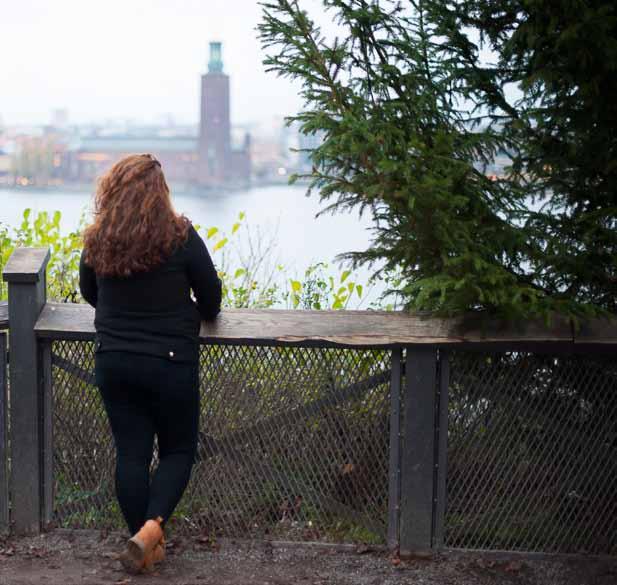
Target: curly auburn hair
[[135, 227]]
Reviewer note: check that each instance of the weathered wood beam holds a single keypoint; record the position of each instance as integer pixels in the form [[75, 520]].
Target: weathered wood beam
[[350, 328], [25, 274], [4, 438], [26, 265], [418, 452]]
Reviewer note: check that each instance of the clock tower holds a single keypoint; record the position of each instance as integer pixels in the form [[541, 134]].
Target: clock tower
[[215, 126]]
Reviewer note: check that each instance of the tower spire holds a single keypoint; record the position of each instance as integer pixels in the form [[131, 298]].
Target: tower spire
[[215, 65]]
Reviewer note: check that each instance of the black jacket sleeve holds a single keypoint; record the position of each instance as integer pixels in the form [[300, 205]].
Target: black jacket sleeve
[[87, 282], [203, 277]]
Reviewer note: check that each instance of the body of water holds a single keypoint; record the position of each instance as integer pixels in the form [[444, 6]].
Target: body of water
[[282, 214]]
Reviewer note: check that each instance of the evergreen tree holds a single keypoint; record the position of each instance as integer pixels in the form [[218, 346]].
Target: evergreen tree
[[412, 115]]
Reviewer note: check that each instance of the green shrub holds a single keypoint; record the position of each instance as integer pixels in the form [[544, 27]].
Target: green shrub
[[248, 281]]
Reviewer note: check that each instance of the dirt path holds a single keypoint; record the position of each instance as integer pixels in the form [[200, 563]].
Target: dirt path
[[89, 558]]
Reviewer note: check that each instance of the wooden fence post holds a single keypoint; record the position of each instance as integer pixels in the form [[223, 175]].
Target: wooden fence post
[[25, 274], [394, 467], [418, 451], [47, 443], [4, 455], [441, 449]]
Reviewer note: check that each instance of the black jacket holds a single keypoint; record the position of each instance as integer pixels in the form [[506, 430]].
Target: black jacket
[[153, 312]]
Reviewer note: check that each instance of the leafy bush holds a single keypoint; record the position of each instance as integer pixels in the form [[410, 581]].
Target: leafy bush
[[248, 279], [45, 231]]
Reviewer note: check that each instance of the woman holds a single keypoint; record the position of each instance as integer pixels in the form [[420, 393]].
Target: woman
[[140, 262]]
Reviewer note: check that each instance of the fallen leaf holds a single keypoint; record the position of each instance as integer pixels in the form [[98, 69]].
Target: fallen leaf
[[347, 469], [513, 567]]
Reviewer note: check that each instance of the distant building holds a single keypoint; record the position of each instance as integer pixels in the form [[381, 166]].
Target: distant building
[[5, 166], [210, 159], [218, 162], [36, 160], [59, 118], [93, 155]]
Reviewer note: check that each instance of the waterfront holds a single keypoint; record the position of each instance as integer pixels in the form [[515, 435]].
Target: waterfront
[[282, 213]]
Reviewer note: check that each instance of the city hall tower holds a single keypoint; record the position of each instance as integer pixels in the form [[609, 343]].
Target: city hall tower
[[215, 125]]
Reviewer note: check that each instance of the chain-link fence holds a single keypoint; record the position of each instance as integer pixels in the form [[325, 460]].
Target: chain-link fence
[[532, 453], [293, 444]]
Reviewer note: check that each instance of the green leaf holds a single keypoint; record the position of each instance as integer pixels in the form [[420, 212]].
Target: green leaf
[[219, 244]]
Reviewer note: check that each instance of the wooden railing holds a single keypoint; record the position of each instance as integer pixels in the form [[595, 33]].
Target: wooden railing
[[357, 329], [418, 423]]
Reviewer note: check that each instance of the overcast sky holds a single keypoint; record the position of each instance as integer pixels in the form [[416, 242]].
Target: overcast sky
[[131, 59]]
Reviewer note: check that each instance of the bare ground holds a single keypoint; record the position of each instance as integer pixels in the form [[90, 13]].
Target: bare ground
[[89, 557]]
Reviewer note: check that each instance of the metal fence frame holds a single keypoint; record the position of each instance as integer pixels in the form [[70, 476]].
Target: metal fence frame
[[418, 417]]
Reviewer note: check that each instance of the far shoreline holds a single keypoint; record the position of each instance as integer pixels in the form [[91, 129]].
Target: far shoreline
[[180, 188]]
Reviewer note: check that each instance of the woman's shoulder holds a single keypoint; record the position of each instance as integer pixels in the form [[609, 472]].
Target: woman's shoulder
[[193, 236], [192, 232], [191, 242]]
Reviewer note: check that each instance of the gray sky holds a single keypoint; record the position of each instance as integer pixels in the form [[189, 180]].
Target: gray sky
[[131, 59]]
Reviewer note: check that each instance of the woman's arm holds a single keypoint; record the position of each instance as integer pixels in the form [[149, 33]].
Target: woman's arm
[[87, 282], [203, 277]]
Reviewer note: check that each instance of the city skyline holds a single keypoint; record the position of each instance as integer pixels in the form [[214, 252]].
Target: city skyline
[[132, 61]]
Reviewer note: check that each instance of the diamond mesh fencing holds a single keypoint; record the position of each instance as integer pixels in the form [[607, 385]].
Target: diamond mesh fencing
[[83, 450], [293, 444], [532, 453]]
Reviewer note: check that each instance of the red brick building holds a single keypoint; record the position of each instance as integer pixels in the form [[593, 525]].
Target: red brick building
[[219, 163]]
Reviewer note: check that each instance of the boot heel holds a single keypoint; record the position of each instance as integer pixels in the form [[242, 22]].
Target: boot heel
[[140, 552], [132, 558]]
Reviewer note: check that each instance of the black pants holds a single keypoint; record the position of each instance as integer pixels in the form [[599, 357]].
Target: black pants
[[146, 396]]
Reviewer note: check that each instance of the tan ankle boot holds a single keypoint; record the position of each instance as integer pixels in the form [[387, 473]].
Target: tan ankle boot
[[140, 549], [157, 555]]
